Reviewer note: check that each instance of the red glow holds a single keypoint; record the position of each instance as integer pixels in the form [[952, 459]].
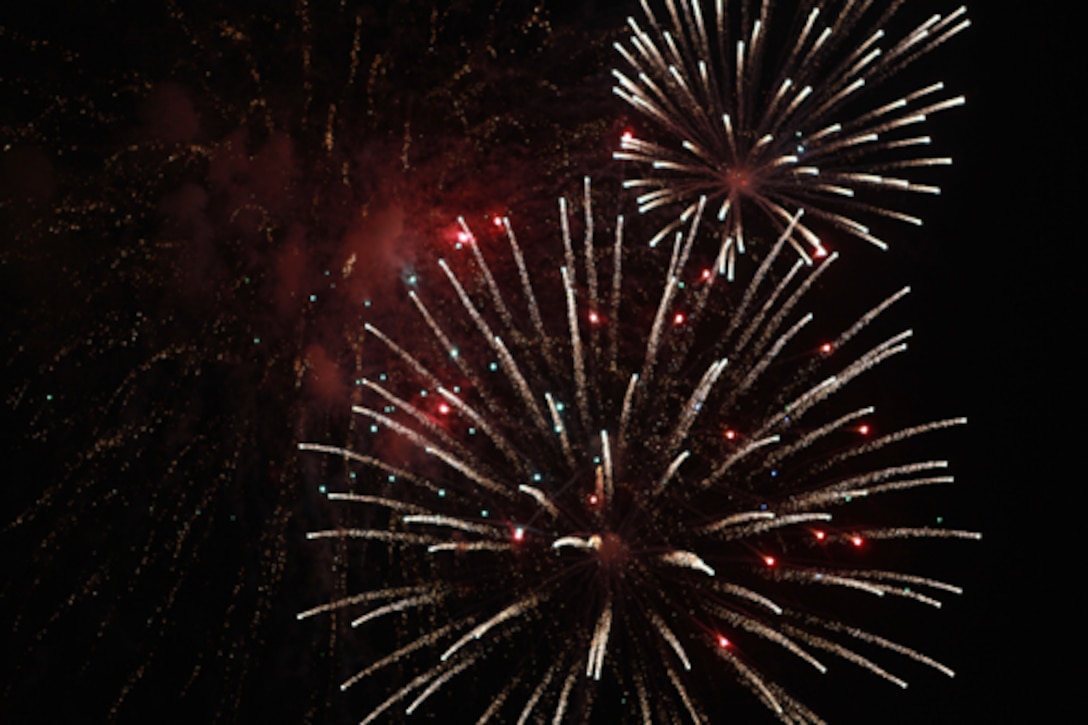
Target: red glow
[[593, 500], [820, 535], [826, 348], [706, 274], [730, 434], [678, 319], [594, 318], [722, 642], [857, 540], [443, 408], [519, 534], [738, 178], [820, 252], [497, 221], [464, 237], [770, 560], [863, 429], [628, 135]]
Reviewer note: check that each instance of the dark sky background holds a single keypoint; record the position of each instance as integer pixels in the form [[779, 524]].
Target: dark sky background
[[201, 204]]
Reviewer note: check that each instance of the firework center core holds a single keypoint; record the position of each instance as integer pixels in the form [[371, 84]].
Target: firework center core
[[740, 180], [611, 551]]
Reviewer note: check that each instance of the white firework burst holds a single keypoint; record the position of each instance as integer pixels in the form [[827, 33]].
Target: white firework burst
[[632, 482], [758, 132]]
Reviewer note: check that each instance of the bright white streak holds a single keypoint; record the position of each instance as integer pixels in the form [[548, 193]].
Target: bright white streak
[[687, 560]]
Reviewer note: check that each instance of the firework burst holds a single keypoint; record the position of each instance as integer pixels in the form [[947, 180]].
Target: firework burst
[[622, 480], [761, 135]]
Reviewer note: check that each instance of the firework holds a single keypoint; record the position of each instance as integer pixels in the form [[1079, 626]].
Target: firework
[[619, 476], [760, 134], [194, 201]]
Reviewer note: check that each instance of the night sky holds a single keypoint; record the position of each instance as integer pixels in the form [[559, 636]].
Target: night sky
[[200, 205]]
